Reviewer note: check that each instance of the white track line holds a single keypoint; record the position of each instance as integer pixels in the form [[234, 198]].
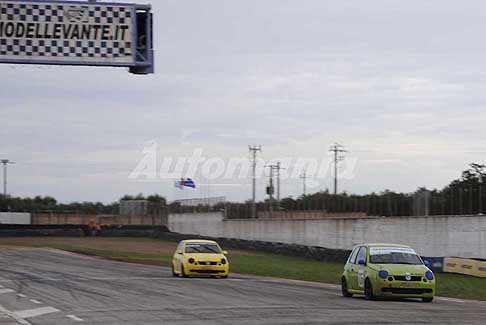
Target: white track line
[[14, 316], [2, 291], [76, 318], [35, 301], [450, 299], [36, 312], [21, 295]]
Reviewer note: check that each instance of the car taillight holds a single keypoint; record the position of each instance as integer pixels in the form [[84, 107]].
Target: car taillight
[[191, 260]]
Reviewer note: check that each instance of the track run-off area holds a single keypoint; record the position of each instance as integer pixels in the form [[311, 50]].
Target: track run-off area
[[46, 286]]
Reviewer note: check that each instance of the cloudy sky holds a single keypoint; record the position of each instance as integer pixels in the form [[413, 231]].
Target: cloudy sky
[[402, 84]]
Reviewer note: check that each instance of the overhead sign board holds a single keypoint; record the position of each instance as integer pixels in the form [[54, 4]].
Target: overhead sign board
[[76, 33]]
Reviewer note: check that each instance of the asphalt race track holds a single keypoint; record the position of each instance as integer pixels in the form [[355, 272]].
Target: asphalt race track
[[42, 286]]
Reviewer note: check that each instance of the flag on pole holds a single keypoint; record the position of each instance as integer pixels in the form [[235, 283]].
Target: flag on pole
[[185, 182]]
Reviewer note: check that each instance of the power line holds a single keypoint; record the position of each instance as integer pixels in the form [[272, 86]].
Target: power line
[[253, 151], [5, 162], [337, 149]]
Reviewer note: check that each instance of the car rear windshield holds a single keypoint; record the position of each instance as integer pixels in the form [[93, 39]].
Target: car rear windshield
[[394, 256], [202, 248]]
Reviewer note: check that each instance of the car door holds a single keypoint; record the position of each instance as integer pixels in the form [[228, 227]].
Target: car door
[[350, 267], [354, 269], [360, 268]]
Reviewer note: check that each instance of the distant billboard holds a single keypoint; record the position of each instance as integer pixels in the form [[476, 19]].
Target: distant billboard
[[76, 33]]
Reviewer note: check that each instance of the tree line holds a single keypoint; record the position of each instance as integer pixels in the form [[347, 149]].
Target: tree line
[[50, 204], [465, 195]]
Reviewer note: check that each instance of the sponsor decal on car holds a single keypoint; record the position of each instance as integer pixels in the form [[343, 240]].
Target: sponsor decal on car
[[389, 250]]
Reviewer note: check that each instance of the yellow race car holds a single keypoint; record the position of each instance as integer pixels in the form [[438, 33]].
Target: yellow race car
[[200, 257]]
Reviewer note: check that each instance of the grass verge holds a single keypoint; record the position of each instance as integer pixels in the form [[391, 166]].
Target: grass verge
[[157, 252]]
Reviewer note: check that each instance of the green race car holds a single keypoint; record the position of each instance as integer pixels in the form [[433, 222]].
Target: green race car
[[387, 270]]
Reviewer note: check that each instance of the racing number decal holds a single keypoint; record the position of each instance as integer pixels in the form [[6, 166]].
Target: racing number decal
[[361, 273]]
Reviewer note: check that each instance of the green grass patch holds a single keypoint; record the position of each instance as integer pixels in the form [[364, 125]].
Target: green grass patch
[[287, 267], [460, 286]]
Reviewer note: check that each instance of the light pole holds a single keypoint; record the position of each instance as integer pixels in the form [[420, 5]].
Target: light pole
[[253, 151], [270, 188], [303, 177], [337, 149], [5, 162]]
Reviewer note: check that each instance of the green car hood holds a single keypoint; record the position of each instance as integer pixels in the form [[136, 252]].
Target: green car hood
[[401, 269]]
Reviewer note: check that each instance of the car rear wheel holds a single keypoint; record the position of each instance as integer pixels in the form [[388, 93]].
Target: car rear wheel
[[368, 290], [428, 299], [344, 288]]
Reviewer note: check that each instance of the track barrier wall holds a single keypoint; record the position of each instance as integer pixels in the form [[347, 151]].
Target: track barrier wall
[[461, 236], [465, 266]]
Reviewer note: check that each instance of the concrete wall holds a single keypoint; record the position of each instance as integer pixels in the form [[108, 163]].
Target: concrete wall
[[205, 224], [310, 214], [19, 218], [462, 236]]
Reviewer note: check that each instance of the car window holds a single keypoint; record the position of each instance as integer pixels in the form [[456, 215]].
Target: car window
[[361, 254], [352, 256], [202, 248], [179, 248], [394, 255]]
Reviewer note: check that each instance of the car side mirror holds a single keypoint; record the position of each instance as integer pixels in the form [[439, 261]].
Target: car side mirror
[[180, 253], [426, 263], [225, 252], [361, 262]]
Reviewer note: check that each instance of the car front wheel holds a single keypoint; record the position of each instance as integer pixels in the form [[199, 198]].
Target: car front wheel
[[183, 272], [368, 290], [344, 288], [428, 299], [173, 270]]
